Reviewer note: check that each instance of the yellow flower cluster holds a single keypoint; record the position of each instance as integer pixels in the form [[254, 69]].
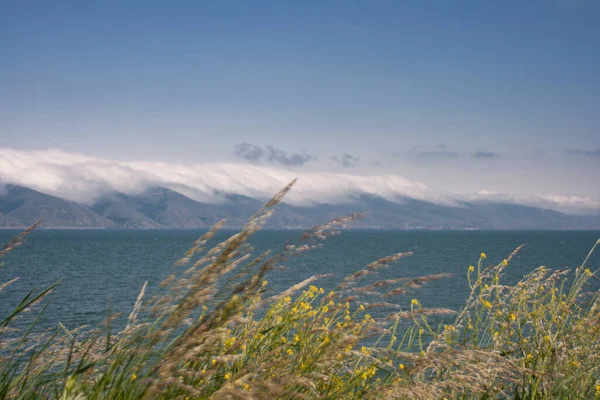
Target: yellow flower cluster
[[449, 328]]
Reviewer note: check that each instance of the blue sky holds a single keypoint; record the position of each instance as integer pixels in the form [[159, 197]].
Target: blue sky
[[462, 95]]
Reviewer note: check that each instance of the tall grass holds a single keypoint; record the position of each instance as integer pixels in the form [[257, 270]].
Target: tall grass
[[214, 332]]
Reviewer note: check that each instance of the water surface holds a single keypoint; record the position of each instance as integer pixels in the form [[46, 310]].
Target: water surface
[[96, 265]]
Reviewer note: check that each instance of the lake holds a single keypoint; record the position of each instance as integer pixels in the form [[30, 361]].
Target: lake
[[96, 265]]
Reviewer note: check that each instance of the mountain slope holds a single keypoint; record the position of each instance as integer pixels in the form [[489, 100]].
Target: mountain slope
[[27, 206], [166, 208], [6, 221], [124, 215]]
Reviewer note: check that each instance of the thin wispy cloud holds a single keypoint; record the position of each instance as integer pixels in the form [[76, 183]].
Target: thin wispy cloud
[[480, 154], [439, 152], [251, 152], [248, 151], [585, 153], [346, 160], [436, 154], [291, 160]]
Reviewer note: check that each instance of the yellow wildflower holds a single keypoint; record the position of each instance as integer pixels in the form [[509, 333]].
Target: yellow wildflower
[[401, 366], [361, 308], [265, 282], [505, 262], [483, 255], [287, 299], [414, 302], [214, 361], [512, 317], [290, 351], [133, 377], [471, 268], [227, 377], [449, 328]]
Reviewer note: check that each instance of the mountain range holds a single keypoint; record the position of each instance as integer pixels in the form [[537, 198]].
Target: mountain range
[[159, 208]]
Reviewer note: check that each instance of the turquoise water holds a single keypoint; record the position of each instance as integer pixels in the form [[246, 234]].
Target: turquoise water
[[95, 265]]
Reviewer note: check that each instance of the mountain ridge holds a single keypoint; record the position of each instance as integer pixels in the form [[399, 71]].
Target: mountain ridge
[[162, 208]]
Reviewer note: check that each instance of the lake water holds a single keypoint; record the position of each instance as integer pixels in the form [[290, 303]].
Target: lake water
[[95, 265]]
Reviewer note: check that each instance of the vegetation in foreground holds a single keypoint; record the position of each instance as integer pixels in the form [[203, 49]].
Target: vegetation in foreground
[[213, 333]]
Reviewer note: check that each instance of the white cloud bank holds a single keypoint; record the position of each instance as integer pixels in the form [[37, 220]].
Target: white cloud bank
[[84, 179], [569, 204]]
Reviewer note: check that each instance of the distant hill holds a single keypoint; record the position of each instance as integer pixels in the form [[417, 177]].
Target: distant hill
[[159, 207], [7, 221], [27, 206]]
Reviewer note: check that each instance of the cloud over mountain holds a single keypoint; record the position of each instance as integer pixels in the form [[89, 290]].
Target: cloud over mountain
[[85, 179]]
